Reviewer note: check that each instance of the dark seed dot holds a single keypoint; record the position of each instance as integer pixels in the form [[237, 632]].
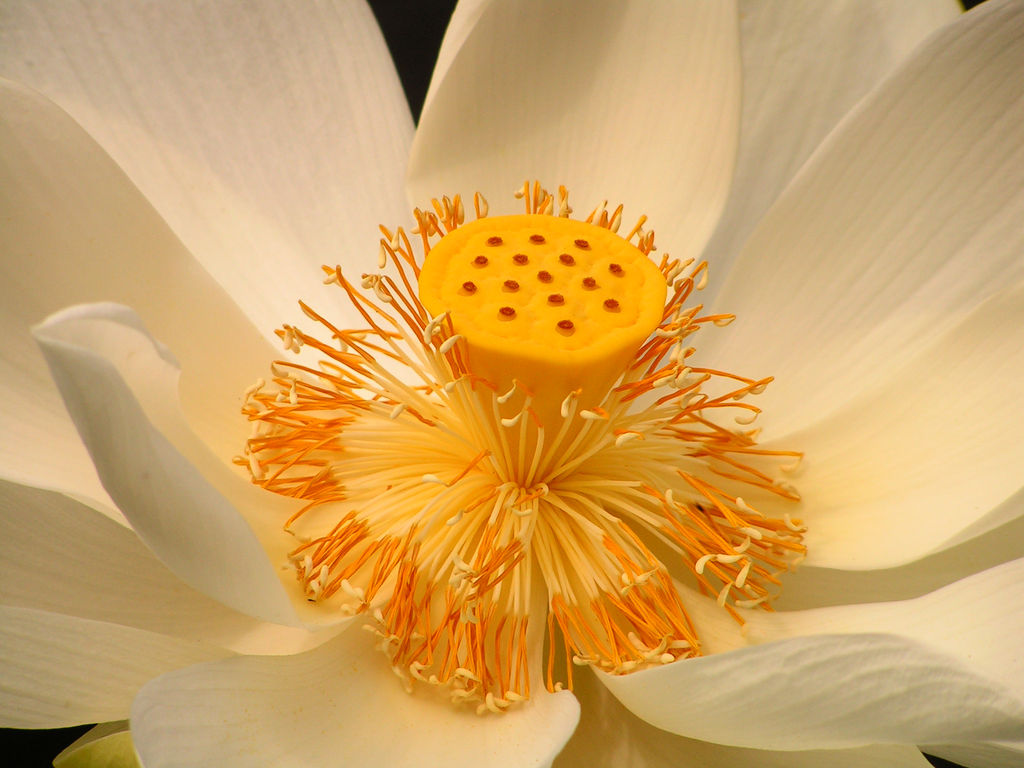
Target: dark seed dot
[[494, 240], [480, 261], [556, 299], [581, 244], [611, 305], [544, 276], [615, 269], [507, 312], [521, 258], [589, 282], [469, 287], [565, 326], [537, 239], [566, 259], [511, 285]]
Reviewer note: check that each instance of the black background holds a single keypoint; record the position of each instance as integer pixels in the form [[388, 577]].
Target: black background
[[413, 30]]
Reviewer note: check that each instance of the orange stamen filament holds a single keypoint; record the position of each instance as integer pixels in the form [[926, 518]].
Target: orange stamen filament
[[439, 505]]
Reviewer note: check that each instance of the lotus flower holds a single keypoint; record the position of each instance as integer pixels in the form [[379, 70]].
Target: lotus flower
[[847, 183]]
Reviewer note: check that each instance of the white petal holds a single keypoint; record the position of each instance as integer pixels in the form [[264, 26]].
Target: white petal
[[464, 18], [610, 736], [60, 556], [928, 459], [996, 754], [852, 690], [904, 220], [337, 704], [108, 745], [271, 136], [812, 587], [978, 619], [40, 445], [59, 670], [633, 102], [76, 230], [93, 352], [942, 667], [804, 66]]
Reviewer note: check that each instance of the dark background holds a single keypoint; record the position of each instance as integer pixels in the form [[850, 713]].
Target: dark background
[[413, 30]]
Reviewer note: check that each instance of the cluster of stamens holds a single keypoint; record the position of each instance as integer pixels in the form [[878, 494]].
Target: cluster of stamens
[[447, 501]]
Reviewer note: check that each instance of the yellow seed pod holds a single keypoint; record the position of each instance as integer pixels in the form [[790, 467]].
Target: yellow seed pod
[[554, 303]]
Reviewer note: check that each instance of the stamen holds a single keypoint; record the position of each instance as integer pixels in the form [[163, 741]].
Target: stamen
[[553, 429]]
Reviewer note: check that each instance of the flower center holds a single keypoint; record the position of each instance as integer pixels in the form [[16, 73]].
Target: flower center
[[544, 302], [549, 456]]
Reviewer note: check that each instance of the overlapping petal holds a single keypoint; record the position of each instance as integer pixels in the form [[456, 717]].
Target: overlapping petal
[[610, 736], [904, 220], [884, 199], [271, 136], [114, 379], [40, 446], [816, 587], [994, 754], [464, 17], [804, 66], [62, 670], [928, 459], [888, 672], [339, 703], [76, 230], [61, 556], [639, 100], [108, 745]]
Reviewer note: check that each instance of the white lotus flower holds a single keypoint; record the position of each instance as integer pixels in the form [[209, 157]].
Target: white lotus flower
[[860, 210]]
